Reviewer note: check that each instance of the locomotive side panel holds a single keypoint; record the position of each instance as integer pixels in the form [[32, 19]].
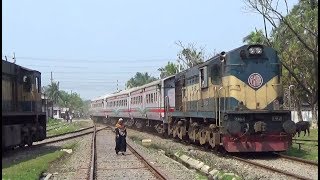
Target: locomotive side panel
[[22, 117]]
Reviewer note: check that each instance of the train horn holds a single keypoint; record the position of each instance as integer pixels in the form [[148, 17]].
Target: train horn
[[222, 56]]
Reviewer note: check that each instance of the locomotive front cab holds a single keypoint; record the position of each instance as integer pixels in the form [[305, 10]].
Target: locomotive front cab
[[251, 108]]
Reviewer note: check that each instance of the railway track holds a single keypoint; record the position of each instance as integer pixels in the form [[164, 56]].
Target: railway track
[[53, 139], [80, 130], [297, 159], [105, 164], [277, 158], [271, 168]]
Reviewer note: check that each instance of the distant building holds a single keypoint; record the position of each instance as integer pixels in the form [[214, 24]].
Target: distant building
[[57, 112]]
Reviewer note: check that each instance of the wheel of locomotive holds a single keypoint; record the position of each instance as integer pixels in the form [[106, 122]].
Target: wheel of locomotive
[[193, 132], [202, 134], [213, 135], [181, 130]]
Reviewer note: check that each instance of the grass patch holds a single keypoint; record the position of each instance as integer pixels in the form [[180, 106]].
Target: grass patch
[[31, 169], [33, 166], [52, 122], [200, 176], [309, 150], [65, 127], [313, 135], [135, 138]]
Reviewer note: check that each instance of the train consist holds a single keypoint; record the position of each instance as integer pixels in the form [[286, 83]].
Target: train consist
[[23, 121], [233, 100]]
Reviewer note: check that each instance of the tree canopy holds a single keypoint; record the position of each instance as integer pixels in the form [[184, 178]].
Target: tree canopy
[[295, 36], [168, 70], [62, 98], [140, 79]]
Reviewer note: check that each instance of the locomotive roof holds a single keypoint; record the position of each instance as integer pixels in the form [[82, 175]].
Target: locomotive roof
[[7, 67], [216, 57]]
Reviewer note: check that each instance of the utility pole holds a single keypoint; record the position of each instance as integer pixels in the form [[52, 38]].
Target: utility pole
[[117, 86], [51, 78], [51, 99]]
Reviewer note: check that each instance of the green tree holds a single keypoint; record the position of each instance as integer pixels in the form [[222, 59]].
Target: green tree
[[72, 101], [255, 37], [140, 79], [168, 70], [53, 92], [295, 37], [190, 55]]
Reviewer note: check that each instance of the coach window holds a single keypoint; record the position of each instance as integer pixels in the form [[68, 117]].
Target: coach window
[[204, 77], [216, 74]]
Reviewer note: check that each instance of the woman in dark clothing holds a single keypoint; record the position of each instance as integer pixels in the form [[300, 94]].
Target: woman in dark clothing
[[121, 133]]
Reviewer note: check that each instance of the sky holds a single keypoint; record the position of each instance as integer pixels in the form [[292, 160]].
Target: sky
[[89, 46]]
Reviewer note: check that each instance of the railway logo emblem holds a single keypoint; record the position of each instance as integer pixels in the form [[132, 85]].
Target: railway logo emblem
[[255, 80]]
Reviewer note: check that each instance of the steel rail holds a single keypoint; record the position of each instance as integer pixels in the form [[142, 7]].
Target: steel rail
[[66, 138], [9, 153], [93, 155], [270, 168], [297, 159], [53, 136], [152, 168]]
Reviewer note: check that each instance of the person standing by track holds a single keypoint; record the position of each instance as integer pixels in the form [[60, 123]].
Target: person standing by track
[[121, 134]]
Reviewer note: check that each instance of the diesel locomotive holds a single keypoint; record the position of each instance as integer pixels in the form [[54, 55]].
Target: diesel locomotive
[[23, 121], [233, 100]]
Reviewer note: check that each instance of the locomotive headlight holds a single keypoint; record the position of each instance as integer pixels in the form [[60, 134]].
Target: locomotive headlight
[[255, 50], [252, 51], [258, 50]]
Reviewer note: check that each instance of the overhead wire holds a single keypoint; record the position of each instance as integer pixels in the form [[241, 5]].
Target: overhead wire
[[93, 60]]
